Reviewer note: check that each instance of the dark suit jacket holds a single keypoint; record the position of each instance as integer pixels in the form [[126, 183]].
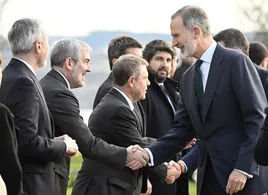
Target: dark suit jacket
[[260, 150], [191, 158], [65, 111], [234, 102], [263, 76], [160, 118], [21, 93], [103, 90], [113, 121], [10, 168]]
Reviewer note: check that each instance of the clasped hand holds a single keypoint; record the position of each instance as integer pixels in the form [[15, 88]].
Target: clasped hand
[[173, 172], [137, 157]]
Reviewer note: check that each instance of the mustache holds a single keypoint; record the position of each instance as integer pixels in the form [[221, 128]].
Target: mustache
[[162, 68]]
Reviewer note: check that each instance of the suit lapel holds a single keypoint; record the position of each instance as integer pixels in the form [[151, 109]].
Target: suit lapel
[[142, 119], [58, 76], [213, 78], [135, 111]]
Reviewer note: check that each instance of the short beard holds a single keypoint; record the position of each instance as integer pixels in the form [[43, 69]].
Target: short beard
[[159, 78]]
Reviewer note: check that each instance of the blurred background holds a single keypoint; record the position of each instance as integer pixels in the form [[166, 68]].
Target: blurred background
[[98, 21]]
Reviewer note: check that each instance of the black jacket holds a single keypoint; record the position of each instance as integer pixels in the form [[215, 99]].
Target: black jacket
[[64, 108], [21, 93]]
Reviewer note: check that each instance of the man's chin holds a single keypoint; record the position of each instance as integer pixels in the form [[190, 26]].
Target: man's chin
[[161, 79]]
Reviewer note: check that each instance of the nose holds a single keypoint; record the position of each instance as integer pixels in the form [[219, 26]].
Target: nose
[[165, 63], [88, 67], [148, 82]]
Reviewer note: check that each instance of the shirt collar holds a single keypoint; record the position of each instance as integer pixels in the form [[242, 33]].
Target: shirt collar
[[27, 64], [127, 98], [67, 82], [208, 54]]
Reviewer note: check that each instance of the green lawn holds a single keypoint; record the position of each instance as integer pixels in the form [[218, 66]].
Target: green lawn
[[76, 164]]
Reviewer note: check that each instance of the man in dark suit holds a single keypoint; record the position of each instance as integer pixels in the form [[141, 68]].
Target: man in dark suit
[[235, 39], [258, 53], [70, 61], [116, 121], [118, 46], [10, 169], [161, 103], [222, 102], [21, 93]]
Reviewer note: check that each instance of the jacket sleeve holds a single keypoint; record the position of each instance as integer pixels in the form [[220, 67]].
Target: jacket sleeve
[[262, 144], [10, 168], [66, 114], [250, 94], [191, 158]]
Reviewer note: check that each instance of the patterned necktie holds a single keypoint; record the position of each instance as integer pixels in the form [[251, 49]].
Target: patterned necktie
[[199, 90]]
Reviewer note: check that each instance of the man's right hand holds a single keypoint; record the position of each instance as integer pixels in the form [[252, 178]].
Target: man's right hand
[[136, 157], [72, 147], [174, 171]]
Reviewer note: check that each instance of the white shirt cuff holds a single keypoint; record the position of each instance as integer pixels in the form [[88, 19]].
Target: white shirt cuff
[[66, 146], [151, 161], [248, 175], [185, 166]]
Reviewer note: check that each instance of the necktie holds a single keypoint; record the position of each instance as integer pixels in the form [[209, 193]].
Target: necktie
[[168, 97], [198, 83]]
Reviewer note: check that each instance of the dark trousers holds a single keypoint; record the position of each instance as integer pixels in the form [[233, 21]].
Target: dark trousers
[[211, 186]]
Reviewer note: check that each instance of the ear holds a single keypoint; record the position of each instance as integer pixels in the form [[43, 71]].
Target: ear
[[113, 60], [197, 32], [264, 63], [38, 46], [130, 81], [68, 63]]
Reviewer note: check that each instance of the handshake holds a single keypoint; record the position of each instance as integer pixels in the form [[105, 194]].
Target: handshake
[[174, 171], [71, 145], [138, 157]]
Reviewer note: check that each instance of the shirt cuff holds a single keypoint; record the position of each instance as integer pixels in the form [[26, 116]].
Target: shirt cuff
[[151, 161], [185, 166], [248, 175], [66, 146]]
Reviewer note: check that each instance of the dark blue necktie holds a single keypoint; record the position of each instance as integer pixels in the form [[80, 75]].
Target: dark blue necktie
[[198, 83]]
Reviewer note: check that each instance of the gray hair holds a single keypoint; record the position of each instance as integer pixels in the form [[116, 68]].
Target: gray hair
[[126, 66], [23, 34], [194, 16], [66, 48]]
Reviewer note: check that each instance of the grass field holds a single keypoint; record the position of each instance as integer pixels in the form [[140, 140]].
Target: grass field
[[76, 164]]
